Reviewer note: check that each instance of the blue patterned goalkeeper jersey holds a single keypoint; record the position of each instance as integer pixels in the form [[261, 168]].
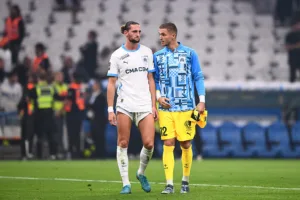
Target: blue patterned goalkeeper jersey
[[176, 74]]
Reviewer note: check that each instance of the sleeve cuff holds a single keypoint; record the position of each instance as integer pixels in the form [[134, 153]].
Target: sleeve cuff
[[151, 70], [202, 98], [111, 74]]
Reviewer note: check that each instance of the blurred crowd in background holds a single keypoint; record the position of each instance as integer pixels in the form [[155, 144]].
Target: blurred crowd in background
[[76, 92], [25, 85]]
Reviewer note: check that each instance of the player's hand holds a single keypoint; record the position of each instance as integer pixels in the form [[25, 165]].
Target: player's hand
[[164, 102], [154, 113], [112, 118], [200, 107]]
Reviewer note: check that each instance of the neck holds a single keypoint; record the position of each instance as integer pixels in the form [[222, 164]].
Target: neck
[[173, 45], [131, 46]]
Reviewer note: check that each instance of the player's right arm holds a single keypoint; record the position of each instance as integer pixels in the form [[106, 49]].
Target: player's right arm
[[163, 101], [111, 89]]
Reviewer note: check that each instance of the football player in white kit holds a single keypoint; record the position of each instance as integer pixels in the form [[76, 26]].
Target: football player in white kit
[[132, 65]]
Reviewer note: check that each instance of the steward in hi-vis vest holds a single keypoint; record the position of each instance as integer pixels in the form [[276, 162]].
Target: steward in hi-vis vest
[[61, 90], [43, 96], [75, 107]]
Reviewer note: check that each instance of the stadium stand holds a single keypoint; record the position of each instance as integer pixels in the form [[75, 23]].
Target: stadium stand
[[220, 29], [254, 138], [210, 142], [295, 137]]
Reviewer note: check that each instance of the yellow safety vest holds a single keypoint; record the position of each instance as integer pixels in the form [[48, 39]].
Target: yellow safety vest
[[61, 90], [45, 94]]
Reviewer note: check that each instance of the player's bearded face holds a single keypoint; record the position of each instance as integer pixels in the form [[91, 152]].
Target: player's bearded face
[[134, 34]]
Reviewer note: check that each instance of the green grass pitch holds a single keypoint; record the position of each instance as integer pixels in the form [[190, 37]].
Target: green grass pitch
[[94, 180]]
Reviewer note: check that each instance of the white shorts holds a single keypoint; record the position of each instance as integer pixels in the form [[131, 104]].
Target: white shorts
[[134, 116]]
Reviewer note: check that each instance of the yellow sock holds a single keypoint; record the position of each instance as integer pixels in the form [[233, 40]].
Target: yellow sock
[[186, 159], [168, 161]]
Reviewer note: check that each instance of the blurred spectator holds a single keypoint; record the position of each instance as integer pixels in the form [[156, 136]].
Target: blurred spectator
[[68, 69], [75, 107], [89, 54], [14, 32], [5, 54], [292, 44], [285, 9], [26, 112], [2, 72], [97, 114], [22, 70], [104, 61], [10, 93], [62, 90], [41, 60]]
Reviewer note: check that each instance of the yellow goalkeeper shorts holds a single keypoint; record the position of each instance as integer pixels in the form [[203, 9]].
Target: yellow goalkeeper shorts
[[176, 125]]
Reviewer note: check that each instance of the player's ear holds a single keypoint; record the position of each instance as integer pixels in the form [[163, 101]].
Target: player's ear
[[174, 36]]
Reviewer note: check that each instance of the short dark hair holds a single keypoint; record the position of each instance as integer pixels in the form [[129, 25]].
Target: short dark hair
[[17, 9], [127, 26], [40, 46], [171, 27], [93, 34]]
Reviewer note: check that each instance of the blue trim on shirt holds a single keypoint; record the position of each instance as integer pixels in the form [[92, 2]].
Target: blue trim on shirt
[[111, 74], [151, 71], [123, 46]]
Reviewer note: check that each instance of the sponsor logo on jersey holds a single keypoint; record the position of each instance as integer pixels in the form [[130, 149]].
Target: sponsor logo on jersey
[[136, 69], [124, 56]]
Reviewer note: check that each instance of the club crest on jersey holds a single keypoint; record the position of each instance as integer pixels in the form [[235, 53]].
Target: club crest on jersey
[[124, 56], [182, 59], [145, 60]]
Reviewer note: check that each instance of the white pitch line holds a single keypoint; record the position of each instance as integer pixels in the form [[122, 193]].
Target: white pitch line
[[159, 183]]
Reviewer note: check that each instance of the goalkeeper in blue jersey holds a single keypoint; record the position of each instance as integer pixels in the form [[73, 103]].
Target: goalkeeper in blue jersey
[[177, 71]]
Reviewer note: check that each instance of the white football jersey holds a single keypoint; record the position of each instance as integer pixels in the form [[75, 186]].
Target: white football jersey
[[132, 68]]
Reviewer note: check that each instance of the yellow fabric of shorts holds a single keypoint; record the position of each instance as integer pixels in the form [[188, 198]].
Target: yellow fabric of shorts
[[176, 125]]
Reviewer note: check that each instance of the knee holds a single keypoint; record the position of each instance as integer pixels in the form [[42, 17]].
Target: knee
[[170, 142], [185, 144], [123, 143], [149, 145]]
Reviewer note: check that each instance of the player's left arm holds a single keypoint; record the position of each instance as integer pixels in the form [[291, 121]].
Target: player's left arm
[[198, 79]]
